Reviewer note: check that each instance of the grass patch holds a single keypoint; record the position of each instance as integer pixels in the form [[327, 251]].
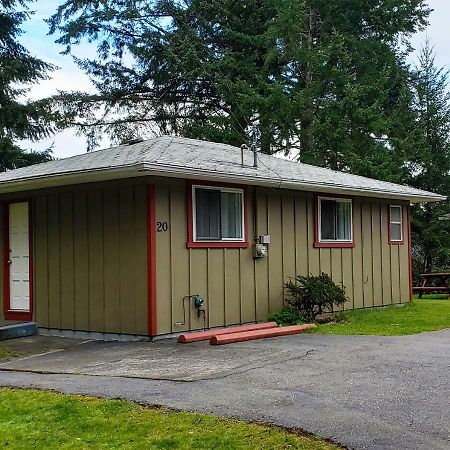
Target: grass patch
[[431, 297], [42, 420], [8, 354], [419, 316]]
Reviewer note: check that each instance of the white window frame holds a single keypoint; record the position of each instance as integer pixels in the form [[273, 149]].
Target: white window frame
[[391, 222], [194, 212], [319, 225]]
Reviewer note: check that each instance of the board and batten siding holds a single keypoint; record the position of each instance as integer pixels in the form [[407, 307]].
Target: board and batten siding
[[90, 258], [239, 289]]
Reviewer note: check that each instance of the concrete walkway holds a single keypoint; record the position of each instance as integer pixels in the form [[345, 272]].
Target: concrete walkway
[[364, 392]]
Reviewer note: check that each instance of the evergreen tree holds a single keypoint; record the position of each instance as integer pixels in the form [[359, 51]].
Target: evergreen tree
[[18, 70], [325, 78], [430, 166], [349, 81], [167, 68]]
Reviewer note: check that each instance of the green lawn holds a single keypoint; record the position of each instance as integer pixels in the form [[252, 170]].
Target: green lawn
[[8, 354], [47, 420], [421, 315]]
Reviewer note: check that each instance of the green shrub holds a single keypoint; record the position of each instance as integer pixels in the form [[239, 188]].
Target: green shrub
[[314, 295], [287, 316]]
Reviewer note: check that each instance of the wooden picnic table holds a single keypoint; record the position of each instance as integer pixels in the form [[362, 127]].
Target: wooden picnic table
[[434, 282]]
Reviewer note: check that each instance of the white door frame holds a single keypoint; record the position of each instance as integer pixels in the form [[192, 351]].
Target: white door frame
[[10, 313]]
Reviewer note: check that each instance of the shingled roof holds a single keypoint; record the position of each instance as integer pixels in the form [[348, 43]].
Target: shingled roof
[[188, 158]]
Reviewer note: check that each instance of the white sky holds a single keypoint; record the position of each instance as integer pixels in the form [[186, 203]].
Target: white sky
[[70, 77]]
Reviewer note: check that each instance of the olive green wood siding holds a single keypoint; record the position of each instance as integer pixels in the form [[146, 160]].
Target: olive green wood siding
[[90, 258], [96, 249], [240, 289]]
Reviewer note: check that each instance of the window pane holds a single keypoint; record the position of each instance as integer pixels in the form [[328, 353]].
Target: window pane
[[328, 219], [343, 221], [207, 213], [231, 215], [396, 232], [336, 220], [396, 215]]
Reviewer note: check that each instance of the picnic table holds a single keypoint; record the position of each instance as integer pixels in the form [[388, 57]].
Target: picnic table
[[437, 282]]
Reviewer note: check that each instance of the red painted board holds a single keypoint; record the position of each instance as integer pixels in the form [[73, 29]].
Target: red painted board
[[207, 335], [260, 334]]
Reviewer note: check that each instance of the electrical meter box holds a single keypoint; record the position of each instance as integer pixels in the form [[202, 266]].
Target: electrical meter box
[[259, 250], [264, 239]]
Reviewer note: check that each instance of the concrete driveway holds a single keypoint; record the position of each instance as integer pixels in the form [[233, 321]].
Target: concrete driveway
[[362, 391]]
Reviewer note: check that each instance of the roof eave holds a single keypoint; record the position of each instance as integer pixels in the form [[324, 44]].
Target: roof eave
[[66, 179], [189, 173], [337, 189], [143, 169]]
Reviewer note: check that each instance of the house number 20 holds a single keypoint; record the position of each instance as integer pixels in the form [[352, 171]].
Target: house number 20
[[161, 226]]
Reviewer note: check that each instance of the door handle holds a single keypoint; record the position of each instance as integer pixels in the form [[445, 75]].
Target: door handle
[[9, 261]]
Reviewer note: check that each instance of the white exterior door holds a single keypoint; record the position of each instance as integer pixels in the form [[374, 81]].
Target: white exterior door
[[19, 257]]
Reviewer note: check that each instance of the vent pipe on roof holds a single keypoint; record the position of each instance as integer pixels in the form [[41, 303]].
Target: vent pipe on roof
[[243, 148], [254, 141]]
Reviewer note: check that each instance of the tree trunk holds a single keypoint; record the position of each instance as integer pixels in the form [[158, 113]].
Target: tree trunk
[[306, 121], [266, 135]]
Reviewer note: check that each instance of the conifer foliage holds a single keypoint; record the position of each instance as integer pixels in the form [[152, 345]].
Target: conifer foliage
[[430, 164], [325, 79], [19, 119]]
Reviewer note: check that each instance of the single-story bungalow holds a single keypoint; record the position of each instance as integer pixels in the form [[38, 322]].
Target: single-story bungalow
[[130, 239]]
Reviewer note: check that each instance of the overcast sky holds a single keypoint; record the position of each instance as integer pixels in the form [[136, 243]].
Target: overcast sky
[[70, 77]]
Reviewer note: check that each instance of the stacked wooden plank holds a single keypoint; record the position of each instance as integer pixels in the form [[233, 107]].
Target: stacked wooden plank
[[243, 333]]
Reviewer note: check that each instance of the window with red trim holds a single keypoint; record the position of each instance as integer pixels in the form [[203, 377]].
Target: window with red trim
[[395, 224], [217, 216]]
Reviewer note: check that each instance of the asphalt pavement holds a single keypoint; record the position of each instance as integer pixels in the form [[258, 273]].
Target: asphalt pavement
[[365, 392]]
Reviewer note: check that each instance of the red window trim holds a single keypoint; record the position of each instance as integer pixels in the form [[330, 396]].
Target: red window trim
[[392, 242], [190, 224], [9, 314], [317, 242]]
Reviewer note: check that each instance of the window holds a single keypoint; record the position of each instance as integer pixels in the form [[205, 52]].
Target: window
[[217, 216], [335, 227], [395, 224]]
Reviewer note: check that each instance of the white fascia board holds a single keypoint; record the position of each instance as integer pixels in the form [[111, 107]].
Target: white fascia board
[[66, 179], [145, 169], [207, 175], [373, 193], [189, 173]]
